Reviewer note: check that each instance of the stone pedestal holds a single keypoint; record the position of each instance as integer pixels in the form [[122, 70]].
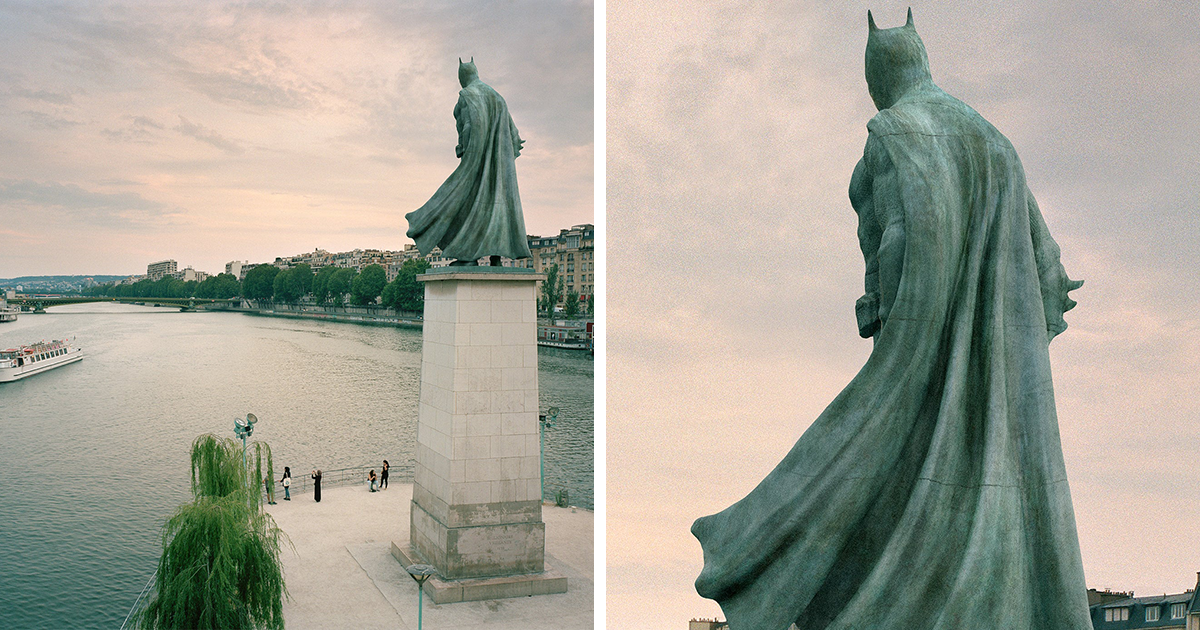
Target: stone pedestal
[[477, 511]]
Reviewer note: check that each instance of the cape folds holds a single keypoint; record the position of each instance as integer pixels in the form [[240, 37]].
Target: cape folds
[[477, 211], [931, 494]]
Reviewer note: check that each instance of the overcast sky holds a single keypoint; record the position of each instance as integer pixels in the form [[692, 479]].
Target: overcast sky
[[206, 132], [733, 261]]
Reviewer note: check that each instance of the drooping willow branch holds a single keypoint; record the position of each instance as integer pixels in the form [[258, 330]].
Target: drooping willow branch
[[220, 565]]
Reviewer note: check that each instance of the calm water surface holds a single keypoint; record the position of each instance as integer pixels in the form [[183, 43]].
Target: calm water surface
[[94, 455]]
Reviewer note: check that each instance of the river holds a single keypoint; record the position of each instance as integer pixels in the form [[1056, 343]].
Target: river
[[94, 455]]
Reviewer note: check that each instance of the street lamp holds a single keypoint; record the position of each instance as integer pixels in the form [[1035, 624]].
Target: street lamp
[[243, 429], [553, 413], [420, 573]]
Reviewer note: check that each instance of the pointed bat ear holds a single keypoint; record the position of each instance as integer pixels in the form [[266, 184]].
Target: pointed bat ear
[[909, 24], [460, 60], [871, 22], [473, 56]]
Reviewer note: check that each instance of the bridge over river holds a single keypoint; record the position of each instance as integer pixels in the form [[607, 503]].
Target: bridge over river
[[40, 304]]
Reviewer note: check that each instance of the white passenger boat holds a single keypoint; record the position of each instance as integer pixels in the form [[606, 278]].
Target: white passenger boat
[[17, 363], [7, 313]]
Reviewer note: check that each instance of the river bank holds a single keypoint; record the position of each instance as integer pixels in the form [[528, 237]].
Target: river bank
[[358, 315], [573, 335]]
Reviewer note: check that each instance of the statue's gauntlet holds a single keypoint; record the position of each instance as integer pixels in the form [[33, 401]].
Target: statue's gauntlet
[[867, 311]]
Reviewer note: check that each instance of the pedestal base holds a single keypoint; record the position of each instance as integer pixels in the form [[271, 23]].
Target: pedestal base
[[478, 550], [547, 582]]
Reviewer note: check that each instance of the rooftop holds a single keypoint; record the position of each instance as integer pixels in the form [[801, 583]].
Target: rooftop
[[341, 573]]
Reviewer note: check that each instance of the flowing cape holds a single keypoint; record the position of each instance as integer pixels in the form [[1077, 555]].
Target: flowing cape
[[931, 494], [477, 211]]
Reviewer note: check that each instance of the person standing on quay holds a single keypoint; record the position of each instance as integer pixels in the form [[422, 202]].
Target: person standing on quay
[[316, 475], [383, 476], [270, 490], [287, 483]]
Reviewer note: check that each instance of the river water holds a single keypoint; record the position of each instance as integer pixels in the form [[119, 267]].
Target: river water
[[95, 455]]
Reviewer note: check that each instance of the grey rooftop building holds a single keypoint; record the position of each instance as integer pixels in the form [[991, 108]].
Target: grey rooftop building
[[1123, 611]]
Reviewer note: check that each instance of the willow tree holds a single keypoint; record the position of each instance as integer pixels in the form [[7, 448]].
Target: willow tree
[[220, 564]]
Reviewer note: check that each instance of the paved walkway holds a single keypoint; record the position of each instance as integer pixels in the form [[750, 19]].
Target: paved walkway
[[341, 573]]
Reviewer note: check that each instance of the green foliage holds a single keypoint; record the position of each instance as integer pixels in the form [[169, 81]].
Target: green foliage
[[220, 287], [259, 447], [368, 285], [220, 565], [301, 280], [571, 306], [339, 284], [552, 290], [260, 282], [320, 285], [281, 289], [292, 284], [405, 293]]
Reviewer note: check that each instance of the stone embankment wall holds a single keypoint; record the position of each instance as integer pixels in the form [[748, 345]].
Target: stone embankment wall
[[376, 316]]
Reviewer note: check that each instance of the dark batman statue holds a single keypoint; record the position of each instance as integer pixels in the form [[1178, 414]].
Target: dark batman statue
[[476, 213], [931, 494]]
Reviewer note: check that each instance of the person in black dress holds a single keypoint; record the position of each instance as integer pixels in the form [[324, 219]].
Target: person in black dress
[[383, 476], [316, 475]]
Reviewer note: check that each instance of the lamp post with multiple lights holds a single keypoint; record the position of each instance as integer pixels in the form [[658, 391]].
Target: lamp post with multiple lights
[[243, 429]]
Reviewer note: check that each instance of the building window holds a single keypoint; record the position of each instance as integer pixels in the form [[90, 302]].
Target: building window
[[1152, 613], [1116, 614], [1178, 610]]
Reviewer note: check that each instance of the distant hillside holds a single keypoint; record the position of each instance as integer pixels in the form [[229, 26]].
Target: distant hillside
[[55, 284], [6, 282]]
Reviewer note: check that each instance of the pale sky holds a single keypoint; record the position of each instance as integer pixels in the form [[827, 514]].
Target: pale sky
[[207, 132], [733, 260]]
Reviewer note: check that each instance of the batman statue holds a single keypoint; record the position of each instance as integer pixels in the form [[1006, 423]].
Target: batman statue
[[476, 213], [931, 494]]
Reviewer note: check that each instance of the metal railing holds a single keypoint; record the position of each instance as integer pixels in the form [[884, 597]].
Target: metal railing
[[401, 473], [303, 482], [137, 604]]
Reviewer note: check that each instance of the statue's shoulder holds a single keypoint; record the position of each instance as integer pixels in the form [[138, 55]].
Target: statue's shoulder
[[897, 120], [932, 114], [479, 93]]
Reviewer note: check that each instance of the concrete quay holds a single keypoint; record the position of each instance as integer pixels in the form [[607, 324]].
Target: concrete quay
[[340, 572]]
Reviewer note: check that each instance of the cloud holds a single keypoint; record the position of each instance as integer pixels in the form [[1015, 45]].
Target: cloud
[[140, 129], [348, 104], [46, 96], [122, 209], [41, 120], [258, 89], [207, 136]]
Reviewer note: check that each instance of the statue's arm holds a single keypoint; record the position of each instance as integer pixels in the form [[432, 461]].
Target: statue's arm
[[866, 308], [462, 119], [1053, 277]]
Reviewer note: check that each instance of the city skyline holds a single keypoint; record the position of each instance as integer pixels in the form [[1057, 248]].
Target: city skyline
[[271, 260], [209, 133]]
